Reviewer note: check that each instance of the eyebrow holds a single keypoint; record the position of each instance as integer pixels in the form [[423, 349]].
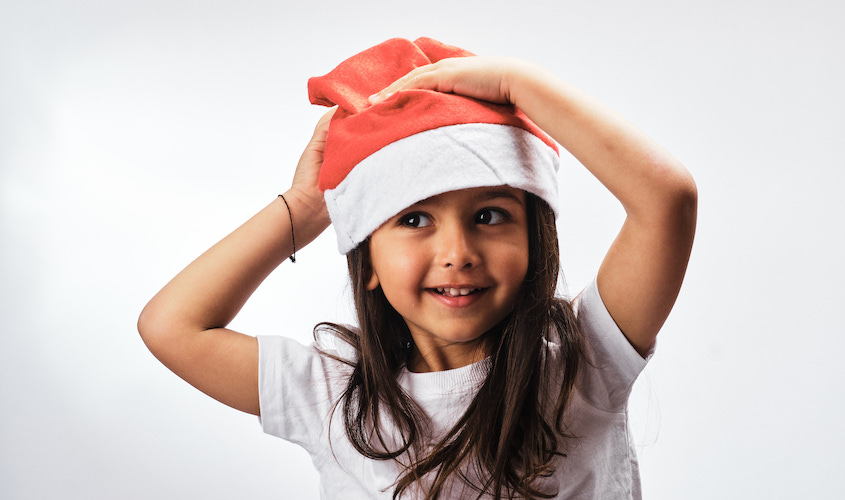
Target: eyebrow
[[481, 196], [499, 193], [486, 195]]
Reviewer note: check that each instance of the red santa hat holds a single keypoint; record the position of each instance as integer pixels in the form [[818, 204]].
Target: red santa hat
[[379, 159]]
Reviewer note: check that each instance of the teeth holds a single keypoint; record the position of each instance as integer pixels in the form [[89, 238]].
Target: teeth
[[456, 292]]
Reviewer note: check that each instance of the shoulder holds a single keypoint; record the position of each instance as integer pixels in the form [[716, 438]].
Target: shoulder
[[612, 364], [333, 343], [299, 384], [600, 330]]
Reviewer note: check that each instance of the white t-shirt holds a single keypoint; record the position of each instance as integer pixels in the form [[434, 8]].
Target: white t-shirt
[[298, 388]]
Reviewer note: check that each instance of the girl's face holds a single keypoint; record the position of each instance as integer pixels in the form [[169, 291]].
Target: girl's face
[[452, 266]]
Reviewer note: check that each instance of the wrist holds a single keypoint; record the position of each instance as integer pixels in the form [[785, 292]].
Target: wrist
[[520, 80], [308, 217]]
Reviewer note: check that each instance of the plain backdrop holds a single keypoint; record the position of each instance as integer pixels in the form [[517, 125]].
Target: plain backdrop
[[133, 135]]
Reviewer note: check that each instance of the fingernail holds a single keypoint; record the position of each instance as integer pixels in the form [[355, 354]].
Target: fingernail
[[379, 97]]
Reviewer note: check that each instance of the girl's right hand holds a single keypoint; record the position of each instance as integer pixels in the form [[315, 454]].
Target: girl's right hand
[[304, 188], [184, 325]]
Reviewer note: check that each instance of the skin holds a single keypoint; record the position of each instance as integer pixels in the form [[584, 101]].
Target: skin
[[184, 325], [452, 266], [641, 274]]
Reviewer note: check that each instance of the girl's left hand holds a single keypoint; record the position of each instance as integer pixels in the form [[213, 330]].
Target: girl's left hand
[[484, 78], [642, 272]]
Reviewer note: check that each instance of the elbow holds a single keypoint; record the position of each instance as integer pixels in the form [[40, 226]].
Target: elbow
[[667, 196], [146, 327], [677, 191], [685, 195], [144, 324], [681, 206], [164, 328], [685, 186], [154, 328]]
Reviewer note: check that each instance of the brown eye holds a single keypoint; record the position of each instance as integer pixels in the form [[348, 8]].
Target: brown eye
[[490, 216], [415, 219]]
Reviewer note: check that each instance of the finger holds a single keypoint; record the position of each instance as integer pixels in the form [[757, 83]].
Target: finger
[[321, 131], [322, 126], [418, 78], [313, 152]]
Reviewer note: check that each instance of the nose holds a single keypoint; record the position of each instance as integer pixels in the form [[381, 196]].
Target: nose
[[457, 247]]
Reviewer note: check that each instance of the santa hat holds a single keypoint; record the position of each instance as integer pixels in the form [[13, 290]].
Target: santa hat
[[380, 159]]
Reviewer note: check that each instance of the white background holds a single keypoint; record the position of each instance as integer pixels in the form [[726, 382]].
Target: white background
[[133, 135]]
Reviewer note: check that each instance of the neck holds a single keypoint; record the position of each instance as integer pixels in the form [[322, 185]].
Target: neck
[[428, 357]]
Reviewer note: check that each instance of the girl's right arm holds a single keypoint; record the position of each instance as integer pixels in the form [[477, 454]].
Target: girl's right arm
[[184, 325]]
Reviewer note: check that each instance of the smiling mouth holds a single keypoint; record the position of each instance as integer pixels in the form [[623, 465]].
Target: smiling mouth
[[456, 292]]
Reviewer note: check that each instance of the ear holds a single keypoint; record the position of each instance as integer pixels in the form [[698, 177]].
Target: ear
[[372, 282]]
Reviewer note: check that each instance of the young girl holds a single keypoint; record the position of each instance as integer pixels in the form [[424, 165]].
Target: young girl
[[466, 376]]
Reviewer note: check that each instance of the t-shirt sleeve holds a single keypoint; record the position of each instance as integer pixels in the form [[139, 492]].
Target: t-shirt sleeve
[[612, 363], [297, 388]]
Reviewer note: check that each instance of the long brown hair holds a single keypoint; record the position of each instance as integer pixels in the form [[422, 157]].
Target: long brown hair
[[513, 428]]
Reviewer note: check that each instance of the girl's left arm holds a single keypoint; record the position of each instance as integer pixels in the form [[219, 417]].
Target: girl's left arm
[[642, 272]]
